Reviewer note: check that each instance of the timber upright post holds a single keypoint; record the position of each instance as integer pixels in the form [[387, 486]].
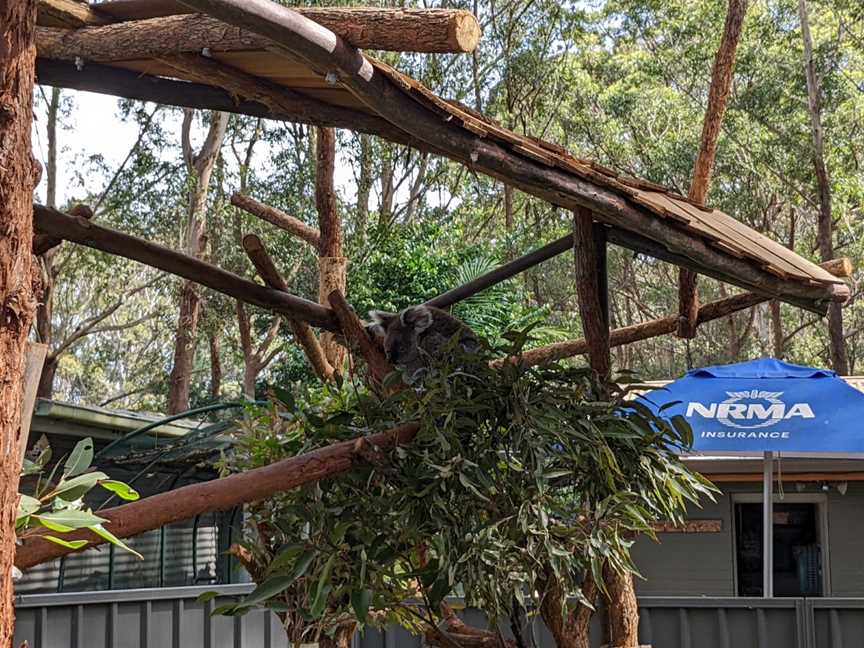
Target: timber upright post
[[19, 173], [589, 251]]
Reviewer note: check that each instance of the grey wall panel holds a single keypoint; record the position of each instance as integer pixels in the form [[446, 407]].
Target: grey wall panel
[[845, 530], [173, 618], [689, 564]]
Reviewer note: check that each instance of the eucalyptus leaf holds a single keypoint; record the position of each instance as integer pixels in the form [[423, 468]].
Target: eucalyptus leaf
[[80, 459]]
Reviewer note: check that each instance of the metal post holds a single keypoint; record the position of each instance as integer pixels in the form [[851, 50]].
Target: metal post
[[768, 526]]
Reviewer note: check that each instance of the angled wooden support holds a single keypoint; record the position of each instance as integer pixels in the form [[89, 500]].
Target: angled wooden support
[[589, 252], [278, 218], [304, 335], [78, 230], [68, 13], [358, 339], [718, 94], [43, 243], [218, 495]]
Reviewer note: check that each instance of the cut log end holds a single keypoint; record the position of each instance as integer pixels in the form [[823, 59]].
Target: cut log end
[[465, 32]]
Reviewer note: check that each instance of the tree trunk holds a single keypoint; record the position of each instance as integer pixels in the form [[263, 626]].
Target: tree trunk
[[331, 263], [777, 342], [718, 93], [45, 309], [200, 167], [364, 186], [180, 379], [622, 609], [590, 288], [18, 277], [839, 356], [215, 368], [569, 627]]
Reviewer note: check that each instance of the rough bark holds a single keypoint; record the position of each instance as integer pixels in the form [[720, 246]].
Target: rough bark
[[220, 494], [593, 309], [18, 276], [570, 628], [718, 93], [200, 167], [56, 224], [839, 355], [278, 218], [364, 186], [215, 367], [622, 609], [331, 262], [358, 339], [777, 342], [400, 30]]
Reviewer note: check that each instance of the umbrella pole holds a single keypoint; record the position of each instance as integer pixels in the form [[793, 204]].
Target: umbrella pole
[[768, 526]]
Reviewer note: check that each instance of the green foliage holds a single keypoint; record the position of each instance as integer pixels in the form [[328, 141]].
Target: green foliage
[[58, 505], [517, 476]]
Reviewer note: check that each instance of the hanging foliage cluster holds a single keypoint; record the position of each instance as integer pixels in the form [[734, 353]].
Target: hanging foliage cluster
[[519, 479]]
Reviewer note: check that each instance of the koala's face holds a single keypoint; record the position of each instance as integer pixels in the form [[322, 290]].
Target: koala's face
[[398, 333]]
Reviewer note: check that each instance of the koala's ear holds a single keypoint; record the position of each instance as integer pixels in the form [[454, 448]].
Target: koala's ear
[[382, 318], [418, 317]]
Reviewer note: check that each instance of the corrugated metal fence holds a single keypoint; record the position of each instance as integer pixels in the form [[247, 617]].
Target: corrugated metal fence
[[172, 617]]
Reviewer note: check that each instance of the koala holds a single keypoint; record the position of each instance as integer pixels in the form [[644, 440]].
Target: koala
[[418, 335]]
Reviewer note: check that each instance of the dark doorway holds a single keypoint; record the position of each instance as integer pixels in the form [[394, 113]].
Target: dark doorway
[[797, 549]]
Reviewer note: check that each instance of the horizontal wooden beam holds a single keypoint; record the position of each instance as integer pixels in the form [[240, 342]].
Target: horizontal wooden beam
[[391, 29], [292, 106], [217, 495], [54, 223], [653, 328], [68, 13]]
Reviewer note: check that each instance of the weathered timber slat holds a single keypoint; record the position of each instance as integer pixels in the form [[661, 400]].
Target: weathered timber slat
[[78, 230]]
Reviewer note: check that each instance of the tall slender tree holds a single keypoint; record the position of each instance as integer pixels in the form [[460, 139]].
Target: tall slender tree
[[200, 168], [18, 277]]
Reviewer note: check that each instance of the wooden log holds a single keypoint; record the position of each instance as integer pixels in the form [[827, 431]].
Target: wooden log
[[218, 495], [588, 265], [332, 264], [839, 267], [503, 272], [303, 334], [718, 94], [391, 29], [326, 52], [292, 106], [358, 339], [54, 223], [278, 218], [42, 243]]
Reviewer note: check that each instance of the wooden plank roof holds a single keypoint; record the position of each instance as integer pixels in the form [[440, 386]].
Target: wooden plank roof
[[717, 230]]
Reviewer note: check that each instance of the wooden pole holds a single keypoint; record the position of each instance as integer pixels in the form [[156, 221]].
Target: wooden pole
[[36, 353], [303, 334], [278, 218], [357, 337], [54, 223], [373, 28], [19, 173], [718, 94], [217, 495], [589, 265]]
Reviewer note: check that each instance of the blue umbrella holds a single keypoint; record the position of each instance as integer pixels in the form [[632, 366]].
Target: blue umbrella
[[766, 407]]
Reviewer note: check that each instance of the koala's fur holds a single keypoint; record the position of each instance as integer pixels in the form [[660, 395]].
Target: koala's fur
[[418, 335]]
